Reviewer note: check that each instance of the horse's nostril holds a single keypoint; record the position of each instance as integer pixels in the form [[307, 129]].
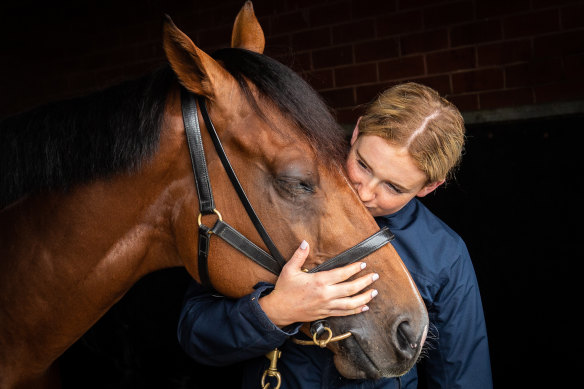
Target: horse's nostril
[[406, 340]]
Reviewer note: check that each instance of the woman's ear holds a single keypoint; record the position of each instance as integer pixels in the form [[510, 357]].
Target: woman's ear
[[429, 188], [355, 132]]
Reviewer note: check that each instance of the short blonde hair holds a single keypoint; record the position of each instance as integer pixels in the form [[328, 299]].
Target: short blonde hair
[[414, 116]]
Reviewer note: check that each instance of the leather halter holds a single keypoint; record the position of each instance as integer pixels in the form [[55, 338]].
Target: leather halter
[[273, 261]]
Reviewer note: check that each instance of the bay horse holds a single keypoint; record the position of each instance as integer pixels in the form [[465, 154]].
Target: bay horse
[[97, 192]]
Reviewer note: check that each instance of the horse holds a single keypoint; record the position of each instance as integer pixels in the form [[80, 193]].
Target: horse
[[98, 191]]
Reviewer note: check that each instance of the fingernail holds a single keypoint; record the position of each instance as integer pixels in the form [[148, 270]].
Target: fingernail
[[363, 265], [304, 245], [365, 308], [375, 276], [373, 293]]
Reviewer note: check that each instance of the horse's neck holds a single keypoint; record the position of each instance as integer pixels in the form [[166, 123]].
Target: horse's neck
[[66, 259]]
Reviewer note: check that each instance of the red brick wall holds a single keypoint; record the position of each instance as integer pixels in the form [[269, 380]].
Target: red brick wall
[[482, 54]]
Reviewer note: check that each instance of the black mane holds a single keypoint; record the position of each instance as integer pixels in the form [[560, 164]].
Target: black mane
[[57, 146], [61, 144]]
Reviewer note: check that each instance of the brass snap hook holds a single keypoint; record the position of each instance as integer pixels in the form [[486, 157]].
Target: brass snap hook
[[272, 371]]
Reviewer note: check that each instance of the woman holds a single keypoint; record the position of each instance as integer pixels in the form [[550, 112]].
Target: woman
[[405, 146]]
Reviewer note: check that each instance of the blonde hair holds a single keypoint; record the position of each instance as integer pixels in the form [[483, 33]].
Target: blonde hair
[[415, 117]]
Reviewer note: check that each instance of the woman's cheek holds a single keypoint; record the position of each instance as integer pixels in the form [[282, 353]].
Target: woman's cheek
[[352, 173]]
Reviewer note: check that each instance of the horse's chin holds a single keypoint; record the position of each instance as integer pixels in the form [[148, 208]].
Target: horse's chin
[[353, 362], [365, 370], [349, 370]]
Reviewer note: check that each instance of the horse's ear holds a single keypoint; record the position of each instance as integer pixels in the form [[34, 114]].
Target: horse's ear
[[196, 71], [247, 32]]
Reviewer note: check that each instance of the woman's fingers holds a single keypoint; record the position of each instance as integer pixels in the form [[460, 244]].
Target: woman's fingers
[[352, 305], [349, 288], [302, 297], [341, 274], [344, 298]]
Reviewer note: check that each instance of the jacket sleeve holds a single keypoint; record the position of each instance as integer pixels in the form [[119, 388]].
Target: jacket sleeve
[[458, 352], [215, 330]]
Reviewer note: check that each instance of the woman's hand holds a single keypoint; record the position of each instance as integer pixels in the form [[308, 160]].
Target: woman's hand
[[305, 297]]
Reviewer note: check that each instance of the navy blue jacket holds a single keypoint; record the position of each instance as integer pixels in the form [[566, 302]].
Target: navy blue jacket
[[215, 330]]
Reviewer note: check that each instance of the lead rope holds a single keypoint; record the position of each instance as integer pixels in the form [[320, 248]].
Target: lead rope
[[275, 354], [317, 328]]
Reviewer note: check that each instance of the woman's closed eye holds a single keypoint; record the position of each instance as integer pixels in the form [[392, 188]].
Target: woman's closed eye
[[362, 165], [389, 186]]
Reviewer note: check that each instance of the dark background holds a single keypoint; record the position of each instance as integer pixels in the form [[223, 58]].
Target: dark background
[[516, 200]]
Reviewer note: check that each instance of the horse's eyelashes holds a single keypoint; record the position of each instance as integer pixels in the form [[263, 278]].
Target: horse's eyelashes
[[294, 187], [307, 187]]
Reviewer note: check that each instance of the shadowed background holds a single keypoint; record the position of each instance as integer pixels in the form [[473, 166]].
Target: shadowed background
[[515, 69]]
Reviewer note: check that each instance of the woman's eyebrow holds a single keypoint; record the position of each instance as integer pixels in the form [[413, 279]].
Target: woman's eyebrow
[[361, 157], [396, 186]]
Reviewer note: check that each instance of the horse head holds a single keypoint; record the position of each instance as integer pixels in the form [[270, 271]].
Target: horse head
[[288, 154]]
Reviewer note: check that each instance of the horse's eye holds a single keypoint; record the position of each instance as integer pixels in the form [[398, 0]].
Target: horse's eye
[[294, 187]]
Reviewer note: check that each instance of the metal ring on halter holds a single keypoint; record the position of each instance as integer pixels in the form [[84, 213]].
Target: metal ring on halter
[[324, 342], [199, 219]]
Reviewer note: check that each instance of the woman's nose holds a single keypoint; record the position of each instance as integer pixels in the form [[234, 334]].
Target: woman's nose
[[365, 191]]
